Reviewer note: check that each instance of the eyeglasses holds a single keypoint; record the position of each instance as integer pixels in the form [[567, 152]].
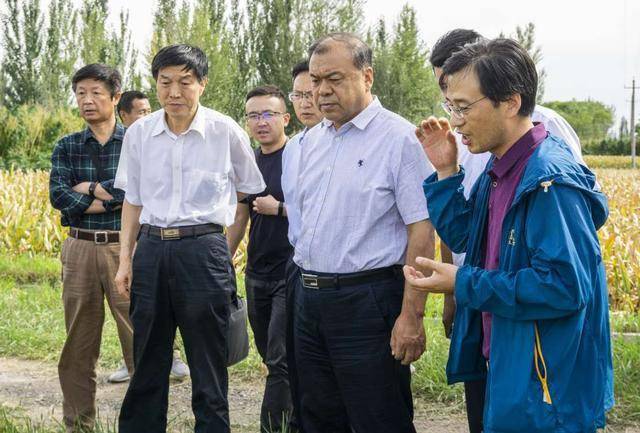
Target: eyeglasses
[[459, 112], [265, 115], [296, 96]]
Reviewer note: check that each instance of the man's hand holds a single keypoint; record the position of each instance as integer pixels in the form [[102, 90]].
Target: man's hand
[[408, 338], [439, 144], [266, 205], [123, 277], [442, 280], [448, 314]]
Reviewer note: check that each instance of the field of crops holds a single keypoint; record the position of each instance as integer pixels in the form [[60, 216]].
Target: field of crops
[[29, 225]]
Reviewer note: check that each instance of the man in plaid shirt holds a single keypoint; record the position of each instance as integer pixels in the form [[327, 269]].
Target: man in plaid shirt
[[83, 168]]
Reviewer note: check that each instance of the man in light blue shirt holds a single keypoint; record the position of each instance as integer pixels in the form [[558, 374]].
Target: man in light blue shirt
[[362, 215], [308, 114]]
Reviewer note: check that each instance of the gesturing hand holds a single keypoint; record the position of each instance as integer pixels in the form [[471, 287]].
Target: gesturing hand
[[442, 279], [439, 144]]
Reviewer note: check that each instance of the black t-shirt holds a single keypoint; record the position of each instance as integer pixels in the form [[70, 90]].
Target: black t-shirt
[[269, 247]]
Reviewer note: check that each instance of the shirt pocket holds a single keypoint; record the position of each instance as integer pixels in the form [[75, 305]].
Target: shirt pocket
[[205, 188]]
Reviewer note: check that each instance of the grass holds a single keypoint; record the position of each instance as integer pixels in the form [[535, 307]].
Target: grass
[[32, 327]]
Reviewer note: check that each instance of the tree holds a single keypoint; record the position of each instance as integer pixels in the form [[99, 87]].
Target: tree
[[403, 78], [60, 52], [590, 119], [22, 45], [96, 45], [624, 128]]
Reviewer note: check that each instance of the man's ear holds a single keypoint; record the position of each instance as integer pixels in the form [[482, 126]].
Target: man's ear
[[286, 118], [368, 77], [513, 104], [203, 83], [116, 98]]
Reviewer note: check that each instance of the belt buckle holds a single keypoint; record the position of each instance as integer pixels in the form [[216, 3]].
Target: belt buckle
[[96, 238], [169, 234], [310, 281]]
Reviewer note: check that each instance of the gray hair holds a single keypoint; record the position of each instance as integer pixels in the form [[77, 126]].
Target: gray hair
[[360, 52]]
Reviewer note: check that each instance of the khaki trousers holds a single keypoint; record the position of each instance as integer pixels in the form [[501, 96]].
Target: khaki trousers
[[88, 271]]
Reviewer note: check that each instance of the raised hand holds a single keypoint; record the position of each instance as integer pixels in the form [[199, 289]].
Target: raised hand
[[439, 144]]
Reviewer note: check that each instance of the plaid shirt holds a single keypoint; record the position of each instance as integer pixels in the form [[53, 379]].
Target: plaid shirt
[[71, 164]]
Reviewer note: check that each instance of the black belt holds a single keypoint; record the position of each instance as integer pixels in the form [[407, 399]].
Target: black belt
[[175, 233], [99, 237], [312, 280]]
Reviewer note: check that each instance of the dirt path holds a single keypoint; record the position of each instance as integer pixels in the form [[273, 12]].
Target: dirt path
[[34, 388]]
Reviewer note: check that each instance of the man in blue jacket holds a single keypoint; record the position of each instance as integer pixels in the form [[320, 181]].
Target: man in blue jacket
[[531, 296]]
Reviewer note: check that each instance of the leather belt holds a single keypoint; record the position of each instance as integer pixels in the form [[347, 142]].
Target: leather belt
[[312, 280], [176, 233], [99, 237]]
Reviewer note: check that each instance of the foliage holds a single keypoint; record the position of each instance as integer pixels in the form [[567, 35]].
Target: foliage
[[29, 132], [590, 119], [607, 161], [28, 225]]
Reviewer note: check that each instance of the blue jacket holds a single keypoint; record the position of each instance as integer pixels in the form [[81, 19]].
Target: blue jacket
[[550, 328]]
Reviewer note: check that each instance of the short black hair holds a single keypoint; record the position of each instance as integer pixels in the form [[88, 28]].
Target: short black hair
[[361, 53], [503, 68], [267, 90], [299, 68], [451, 42], [127, 98], [99, 72], [193, 59]]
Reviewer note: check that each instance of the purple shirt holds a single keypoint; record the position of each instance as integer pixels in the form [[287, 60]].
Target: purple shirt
[[505, 174]]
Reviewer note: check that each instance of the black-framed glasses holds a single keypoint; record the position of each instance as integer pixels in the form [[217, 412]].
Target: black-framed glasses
[[297, 96], [458, 112], [265, 115]]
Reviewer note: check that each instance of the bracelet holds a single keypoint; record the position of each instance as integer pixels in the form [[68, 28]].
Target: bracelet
[[92, 189], [280, 208]]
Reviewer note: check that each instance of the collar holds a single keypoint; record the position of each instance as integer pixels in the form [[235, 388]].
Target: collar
[[362, 120], [118, 133], [197, 124], [518, 151]]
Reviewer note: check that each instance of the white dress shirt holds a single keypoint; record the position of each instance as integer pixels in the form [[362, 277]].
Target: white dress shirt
[[190, 178], [474, 164], [358, 189]]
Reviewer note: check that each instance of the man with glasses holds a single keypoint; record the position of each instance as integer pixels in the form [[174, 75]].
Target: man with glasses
[[474, 165], [301, 98], [532, 304], [267, 252]]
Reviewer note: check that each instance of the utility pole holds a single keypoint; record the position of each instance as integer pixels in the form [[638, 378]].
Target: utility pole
[[633, 122]]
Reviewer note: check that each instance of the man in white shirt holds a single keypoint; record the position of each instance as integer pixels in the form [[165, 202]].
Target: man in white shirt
[[474, 165], [186, 167]]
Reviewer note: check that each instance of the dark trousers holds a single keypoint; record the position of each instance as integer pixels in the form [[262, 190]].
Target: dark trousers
[[267, 316], [474, 398], [187, 283], [348, 379], [295, 424]]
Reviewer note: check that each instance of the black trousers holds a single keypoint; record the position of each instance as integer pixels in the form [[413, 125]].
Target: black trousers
[[267, 317], [188, 283], [348, 379], [292, 277], [474, 398]]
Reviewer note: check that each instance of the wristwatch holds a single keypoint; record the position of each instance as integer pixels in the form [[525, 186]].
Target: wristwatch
[[280, 208], [92, 189]]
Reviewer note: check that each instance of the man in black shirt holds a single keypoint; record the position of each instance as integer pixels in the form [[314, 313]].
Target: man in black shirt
[[268, 250]]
